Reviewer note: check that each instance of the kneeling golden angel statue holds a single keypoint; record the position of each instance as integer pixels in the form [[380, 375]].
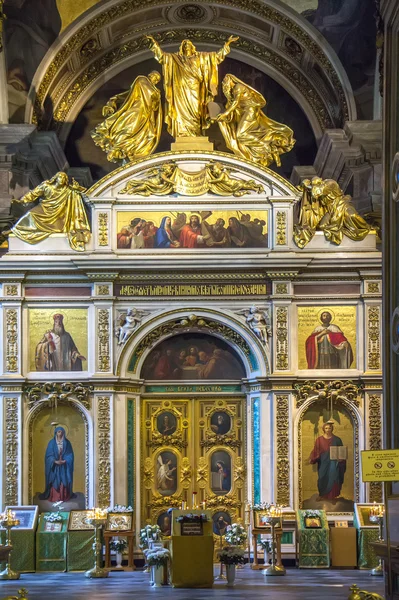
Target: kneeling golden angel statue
[[61, 210], [133, 125], [247, 131], [325, 207]]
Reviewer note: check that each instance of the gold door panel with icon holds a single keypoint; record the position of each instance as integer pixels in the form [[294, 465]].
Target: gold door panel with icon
[[193, 449]]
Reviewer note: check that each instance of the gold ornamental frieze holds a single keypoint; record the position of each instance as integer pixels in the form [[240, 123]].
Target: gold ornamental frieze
[[328, 391]]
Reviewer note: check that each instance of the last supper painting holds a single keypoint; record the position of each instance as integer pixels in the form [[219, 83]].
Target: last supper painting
[[190, 357]]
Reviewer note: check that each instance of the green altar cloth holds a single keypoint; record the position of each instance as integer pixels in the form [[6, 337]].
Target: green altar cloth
[[23, 549], [366, 557], [51, 546], [80, 554], [314, 544]]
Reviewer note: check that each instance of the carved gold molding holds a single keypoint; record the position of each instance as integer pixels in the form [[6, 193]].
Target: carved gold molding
[[103, 290], [282, 338], [281, 228], [103, 340], [327, 390], [373, 287], [374, 342], [12, 340], [282, 444], [375, 441], [104, 451], [281, 288], [11, 452], [103, 229], [51, 393]]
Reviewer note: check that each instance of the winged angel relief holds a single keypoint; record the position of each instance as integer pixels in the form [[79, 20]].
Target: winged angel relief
[[127, 322]]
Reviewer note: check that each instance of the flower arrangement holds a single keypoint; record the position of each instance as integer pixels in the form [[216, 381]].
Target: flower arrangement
[[149, 532], [119, 508], [232, 556], [236, 534], [266, 545], [118, 545], [261, 506], [53, 517], [312, 514], [158, 557], [191, 518]]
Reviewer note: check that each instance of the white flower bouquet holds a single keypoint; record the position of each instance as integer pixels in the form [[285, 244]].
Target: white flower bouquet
[[236, 534], [231, 555], [158, 557], [53, 517], [119, 508], [149, 532]]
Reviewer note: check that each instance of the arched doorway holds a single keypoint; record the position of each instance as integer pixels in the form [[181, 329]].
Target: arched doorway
[[193, 429]]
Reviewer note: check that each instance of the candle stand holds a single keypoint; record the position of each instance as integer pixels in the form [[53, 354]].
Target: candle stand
[[7, 522], [273, 518], [98, 519], [377, 516]]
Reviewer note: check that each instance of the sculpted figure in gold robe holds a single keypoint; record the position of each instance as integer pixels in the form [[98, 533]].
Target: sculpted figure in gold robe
[[190, 83], [160, 182], [221, 183], [134, 121], [247, 131], [61, 210], [325, 207]]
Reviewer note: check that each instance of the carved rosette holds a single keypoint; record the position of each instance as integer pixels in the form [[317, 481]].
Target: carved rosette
[[374, 342], [11, 452], [11, 340], [281, 228], [186, 473], [11, 290], [103, 340], [282, 445], [282, 338], [104, 451], [375, 441]]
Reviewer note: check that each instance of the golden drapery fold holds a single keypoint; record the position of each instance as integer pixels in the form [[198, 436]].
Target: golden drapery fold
[[247, 131], [325, 207], [134, 130], [61, 210], [190, 82]]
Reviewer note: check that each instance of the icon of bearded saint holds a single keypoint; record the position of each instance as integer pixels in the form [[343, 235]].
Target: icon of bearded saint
[[57, 351]]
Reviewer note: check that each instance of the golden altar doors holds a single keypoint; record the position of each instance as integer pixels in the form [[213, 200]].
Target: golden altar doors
[[193, 448]]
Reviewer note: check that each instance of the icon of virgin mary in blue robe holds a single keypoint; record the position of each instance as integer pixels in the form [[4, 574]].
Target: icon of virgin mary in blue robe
[[58, 468], [164, 237]]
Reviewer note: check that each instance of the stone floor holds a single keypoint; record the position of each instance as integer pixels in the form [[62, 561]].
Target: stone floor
[[250, 585]]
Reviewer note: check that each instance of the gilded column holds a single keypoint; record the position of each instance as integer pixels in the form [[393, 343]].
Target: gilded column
[[11, 453], [282, 450], [373, 337], [281, 337], [375, 439], [104, 333], [104, 451]]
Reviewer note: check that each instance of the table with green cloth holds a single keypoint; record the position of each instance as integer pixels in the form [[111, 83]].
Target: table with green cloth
[[80, 553], [366, 557], [51, 546], [22, 558], [314, 543]]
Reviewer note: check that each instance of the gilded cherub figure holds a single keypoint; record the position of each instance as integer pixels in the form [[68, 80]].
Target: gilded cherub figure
[[325, 207], [247, 131], [61, 209], [133, 125], [159, 183], [221, 183]]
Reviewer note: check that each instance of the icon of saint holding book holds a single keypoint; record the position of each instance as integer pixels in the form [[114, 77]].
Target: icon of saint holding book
[[330, 455]]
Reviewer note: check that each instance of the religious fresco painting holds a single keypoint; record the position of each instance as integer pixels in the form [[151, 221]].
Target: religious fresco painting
[[58, 339], [191, 357], [221, 472], [166, 473], [221, 521], [164, 523], [168, 230], [327, 337], [327, 459], [58, 459]]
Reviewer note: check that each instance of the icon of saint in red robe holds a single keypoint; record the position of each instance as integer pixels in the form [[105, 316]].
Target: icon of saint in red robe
[[327, 347]]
